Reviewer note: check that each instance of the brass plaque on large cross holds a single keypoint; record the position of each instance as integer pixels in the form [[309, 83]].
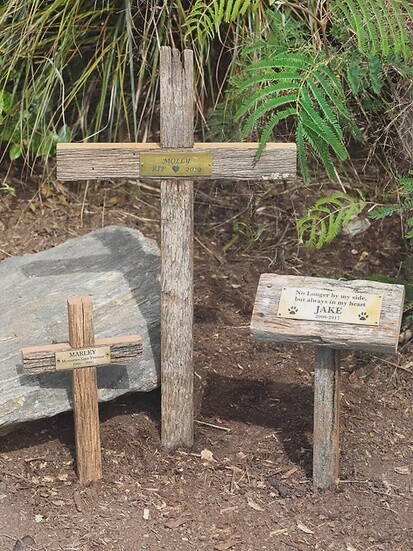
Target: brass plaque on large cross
[[175, 164]]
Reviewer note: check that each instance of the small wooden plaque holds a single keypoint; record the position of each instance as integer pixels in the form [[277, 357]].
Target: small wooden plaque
[[375, 301]]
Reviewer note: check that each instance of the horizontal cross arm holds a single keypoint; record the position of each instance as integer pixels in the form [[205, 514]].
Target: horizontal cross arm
[[230, 161], [123, 351]]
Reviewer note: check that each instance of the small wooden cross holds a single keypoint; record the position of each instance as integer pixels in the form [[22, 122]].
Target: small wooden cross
[[82, 354], [176, 161]]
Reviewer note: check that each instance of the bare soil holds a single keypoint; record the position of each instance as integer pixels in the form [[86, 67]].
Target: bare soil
[[246, 483]]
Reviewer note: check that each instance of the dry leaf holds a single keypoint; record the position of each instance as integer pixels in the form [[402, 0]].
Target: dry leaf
[[175, 523], [112, 201], [146, 514], [59, 502], [289, 473], [350, 547], [279, 532], [304, 528], [48, 478], [402, 470], [254, 505], [224, 546], [207, 455]]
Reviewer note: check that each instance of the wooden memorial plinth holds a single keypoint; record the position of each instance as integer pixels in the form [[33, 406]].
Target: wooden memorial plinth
[[176, 162], [332, 316], [82, 354]]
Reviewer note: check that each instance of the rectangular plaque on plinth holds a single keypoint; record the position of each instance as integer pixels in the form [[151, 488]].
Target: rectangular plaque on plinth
[[353, 315]]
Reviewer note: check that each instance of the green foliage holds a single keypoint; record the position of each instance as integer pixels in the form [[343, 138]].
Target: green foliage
[[79, 68], [39, 143], [299, 86], [323, 69], [402, 208], [379, 27], [247, 233], [205, 17], [327, 217], [7, 189]]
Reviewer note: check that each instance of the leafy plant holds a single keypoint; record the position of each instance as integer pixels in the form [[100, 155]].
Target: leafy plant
[[327, 217], [205, 18], [299, 86], [7, 189], [82, 68], [402, 208], [323, 69], [246, 232]]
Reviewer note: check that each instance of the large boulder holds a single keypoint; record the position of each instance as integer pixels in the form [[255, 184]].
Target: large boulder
[[120, 269]]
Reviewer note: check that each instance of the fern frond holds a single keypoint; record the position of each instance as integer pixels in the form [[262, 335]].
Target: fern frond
[[401, 37], [375, 74], [262, 111], [383, 34], [286, 86], [284, 61], [406, 183], [269, 127], [407, 204], [297, 85], [325, 108], [380, 27], [205, 18], [371, 31], [384, 211], [326, 219], [323, 76], [301, 154], [354, 19], [320, 148], [267, 77], [312, 118]]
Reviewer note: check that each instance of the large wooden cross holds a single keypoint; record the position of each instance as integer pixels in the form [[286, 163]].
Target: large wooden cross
[[176, 162]]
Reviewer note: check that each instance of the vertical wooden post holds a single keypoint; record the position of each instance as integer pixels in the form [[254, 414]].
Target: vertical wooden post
[[85, 397], [326, 445], [176, 130]]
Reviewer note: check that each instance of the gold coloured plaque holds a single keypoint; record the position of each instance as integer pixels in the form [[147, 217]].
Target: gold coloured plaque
[[175, 164], [83, 357], [330, 306]]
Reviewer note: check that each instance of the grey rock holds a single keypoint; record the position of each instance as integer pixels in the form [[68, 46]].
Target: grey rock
[[120, 269], [356, 226]]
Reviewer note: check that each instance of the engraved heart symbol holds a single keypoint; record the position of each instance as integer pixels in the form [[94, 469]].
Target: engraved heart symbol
[[176, 168]]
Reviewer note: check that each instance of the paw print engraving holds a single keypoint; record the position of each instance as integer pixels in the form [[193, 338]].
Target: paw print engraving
[[292, 310], [363, 316]]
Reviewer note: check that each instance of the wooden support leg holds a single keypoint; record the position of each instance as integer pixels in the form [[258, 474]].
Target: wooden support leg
[[326, 448], [85, 396], [176, 87]]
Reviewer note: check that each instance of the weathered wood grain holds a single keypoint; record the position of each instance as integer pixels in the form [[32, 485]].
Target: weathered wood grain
[[123, 351], [85, 395], [265, 325], [326, 440], [235, 161], [177, 130]]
